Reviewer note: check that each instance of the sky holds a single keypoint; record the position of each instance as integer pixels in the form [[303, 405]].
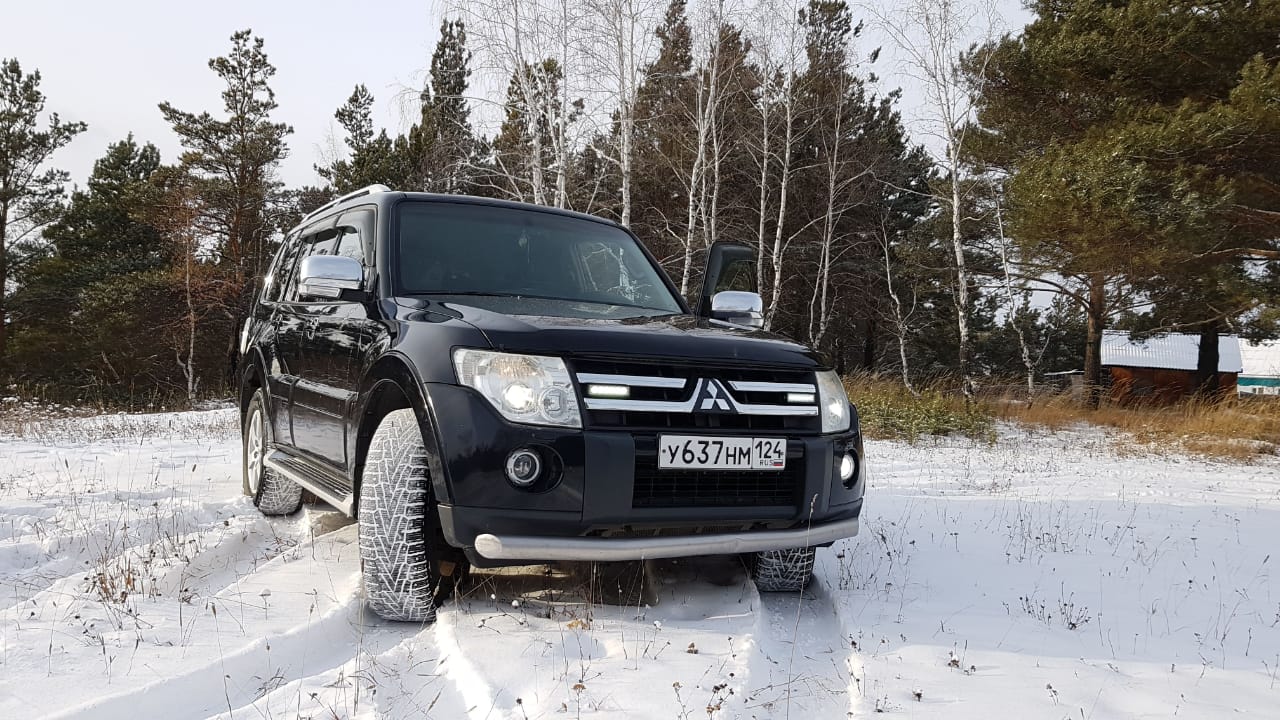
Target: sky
[[111, 63]]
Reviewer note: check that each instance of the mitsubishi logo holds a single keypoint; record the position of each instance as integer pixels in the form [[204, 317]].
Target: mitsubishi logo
[[712, 396]]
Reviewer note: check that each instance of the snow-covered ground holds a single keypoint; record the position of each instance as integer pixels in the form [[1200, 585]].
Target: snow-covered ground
[[1041, 577]]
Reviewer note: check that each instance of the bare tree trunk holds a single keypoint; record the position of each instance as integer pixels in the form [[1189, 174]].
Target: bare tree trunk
[[1008, 287], [833, 162], [962, 274], [626, 118], [901, 330], [616, 45], [4, 280], [562, 130], [188, 366], [1096, 314], [524, 77], [765, 151], [695, 180], [784, 179], [697, 196]]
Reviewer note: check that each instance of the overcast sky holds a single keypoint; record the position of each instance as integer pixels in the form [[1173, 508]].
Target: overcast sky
[[111, 63]]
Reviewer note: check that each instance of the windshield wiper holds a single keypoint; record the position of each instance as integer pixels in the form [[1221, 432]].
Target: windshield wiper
[[475, 293]]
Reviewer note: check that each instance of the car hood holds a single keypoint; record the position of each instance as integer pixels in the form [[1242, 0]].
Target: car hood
[[676, 337]]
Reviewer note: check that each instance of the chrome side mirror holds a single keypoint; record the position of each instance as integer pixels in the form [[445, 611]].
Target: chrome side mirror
[[734, 307], [327, 276]]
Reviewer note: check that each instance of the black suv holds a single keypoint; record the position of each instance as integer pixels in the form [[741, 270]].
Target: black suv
[[489, 383]]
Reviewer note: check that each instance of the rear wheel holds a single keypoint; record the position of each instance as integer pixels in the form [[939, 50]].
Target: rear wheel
[[272, 493], [398, 523], [783, 570]]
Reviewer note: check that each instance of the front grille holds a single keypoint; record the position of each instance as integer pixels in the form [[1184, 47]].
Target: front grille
[[643, 399], [662, 488]]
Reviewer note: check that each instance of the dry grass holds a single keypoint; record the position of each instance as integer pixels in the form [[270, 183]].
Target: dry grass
[[1238, 430], [1233, 429], [888, 410]]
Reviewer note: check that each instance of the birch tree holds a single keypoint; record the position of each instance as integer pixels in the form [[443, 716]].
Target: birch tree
[[930, 37], [534, 47], [779, 52], [1027, 362], [622, 40], [898, 316]]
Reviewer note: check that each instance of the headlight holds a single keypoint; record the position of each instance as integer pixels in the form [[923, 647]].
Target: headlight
[[524, 388], [833, 402]]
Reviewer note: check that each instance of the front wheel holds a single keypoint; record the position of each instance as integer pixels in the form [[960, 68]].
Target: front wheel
[[398, 522], [783, 570], [272, 493]]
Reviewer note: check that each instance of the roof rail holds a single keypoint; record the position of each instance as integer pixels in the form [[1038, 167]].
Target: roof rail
[[367, 190]]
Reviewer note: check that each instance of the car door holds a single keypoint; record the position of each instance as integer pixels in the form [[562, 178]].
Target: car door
[[302, 363], [279, 359], [340, 334]]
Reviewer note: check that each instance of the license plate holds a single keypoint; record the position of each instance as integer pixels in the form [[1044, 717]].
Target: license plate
[[693, 452]]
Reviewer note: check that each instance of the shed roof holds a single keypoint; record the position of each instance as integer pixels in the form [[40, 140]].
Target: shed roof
[[1261, 359], [1174, 351]]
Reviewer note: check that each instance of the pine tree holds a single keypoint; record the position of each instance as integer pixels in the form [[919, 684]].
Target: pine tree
[[663, 160], [28, 190], [233, 163], [455, 145], [97, 236], [1139, 161], [371, 158], [236, 158]]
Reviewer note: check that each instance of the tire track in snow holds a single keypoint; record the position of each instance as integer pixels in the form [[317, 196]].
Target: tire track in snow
[[800, 666], [393, 672], [298, 612], [712, 646]]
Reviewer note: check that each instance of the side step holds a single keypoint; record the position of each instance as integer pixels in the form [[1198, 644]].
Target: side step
[[323, 484]]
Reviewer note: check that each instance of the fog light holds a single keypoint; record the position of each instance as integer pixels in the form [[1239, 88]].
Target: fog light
[[847, 467], [523, 467]]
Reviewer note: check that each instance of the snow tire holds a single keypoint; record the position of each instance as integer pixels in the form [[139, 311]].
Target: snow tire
[[783, 570], [398, 522], [272, 493]]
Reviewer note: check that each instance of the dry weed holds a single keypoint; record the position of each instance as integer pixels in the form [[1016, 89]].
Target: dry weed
[[1232, 429]]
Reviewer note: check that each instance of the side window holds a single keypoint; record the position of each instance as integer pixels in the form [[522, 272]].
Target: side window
[[278, 275], [350, 244], [321, 243], [356, 240]]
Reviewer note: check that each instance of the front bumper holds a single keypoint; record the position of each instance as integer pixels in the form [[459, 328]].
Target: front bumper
[[594, 549], [596, 509]]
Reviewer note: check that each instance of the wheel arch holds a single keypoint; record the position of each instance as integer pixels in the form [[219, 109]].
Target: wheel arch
[[252, 377], [392, 384]]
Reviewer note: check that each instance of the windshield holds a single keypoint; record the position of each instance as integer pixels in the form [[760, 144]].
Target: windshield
[[492, 255]]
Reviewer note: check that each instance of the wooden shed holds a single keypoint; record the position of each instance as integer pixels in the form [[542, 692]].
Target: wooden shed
[[1161, 370]]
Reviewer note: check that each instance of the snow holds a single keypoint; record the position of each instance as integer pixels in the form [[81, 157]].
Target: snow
[[1260, 359], [1045, 576]]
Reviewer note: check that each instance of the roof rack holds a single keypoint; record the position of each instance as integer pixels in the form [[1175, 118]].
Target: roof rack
[[367, 190]]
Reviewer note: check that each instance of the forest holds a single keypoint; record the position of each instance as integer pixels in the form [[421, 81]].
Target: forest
[[1110, 165]]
